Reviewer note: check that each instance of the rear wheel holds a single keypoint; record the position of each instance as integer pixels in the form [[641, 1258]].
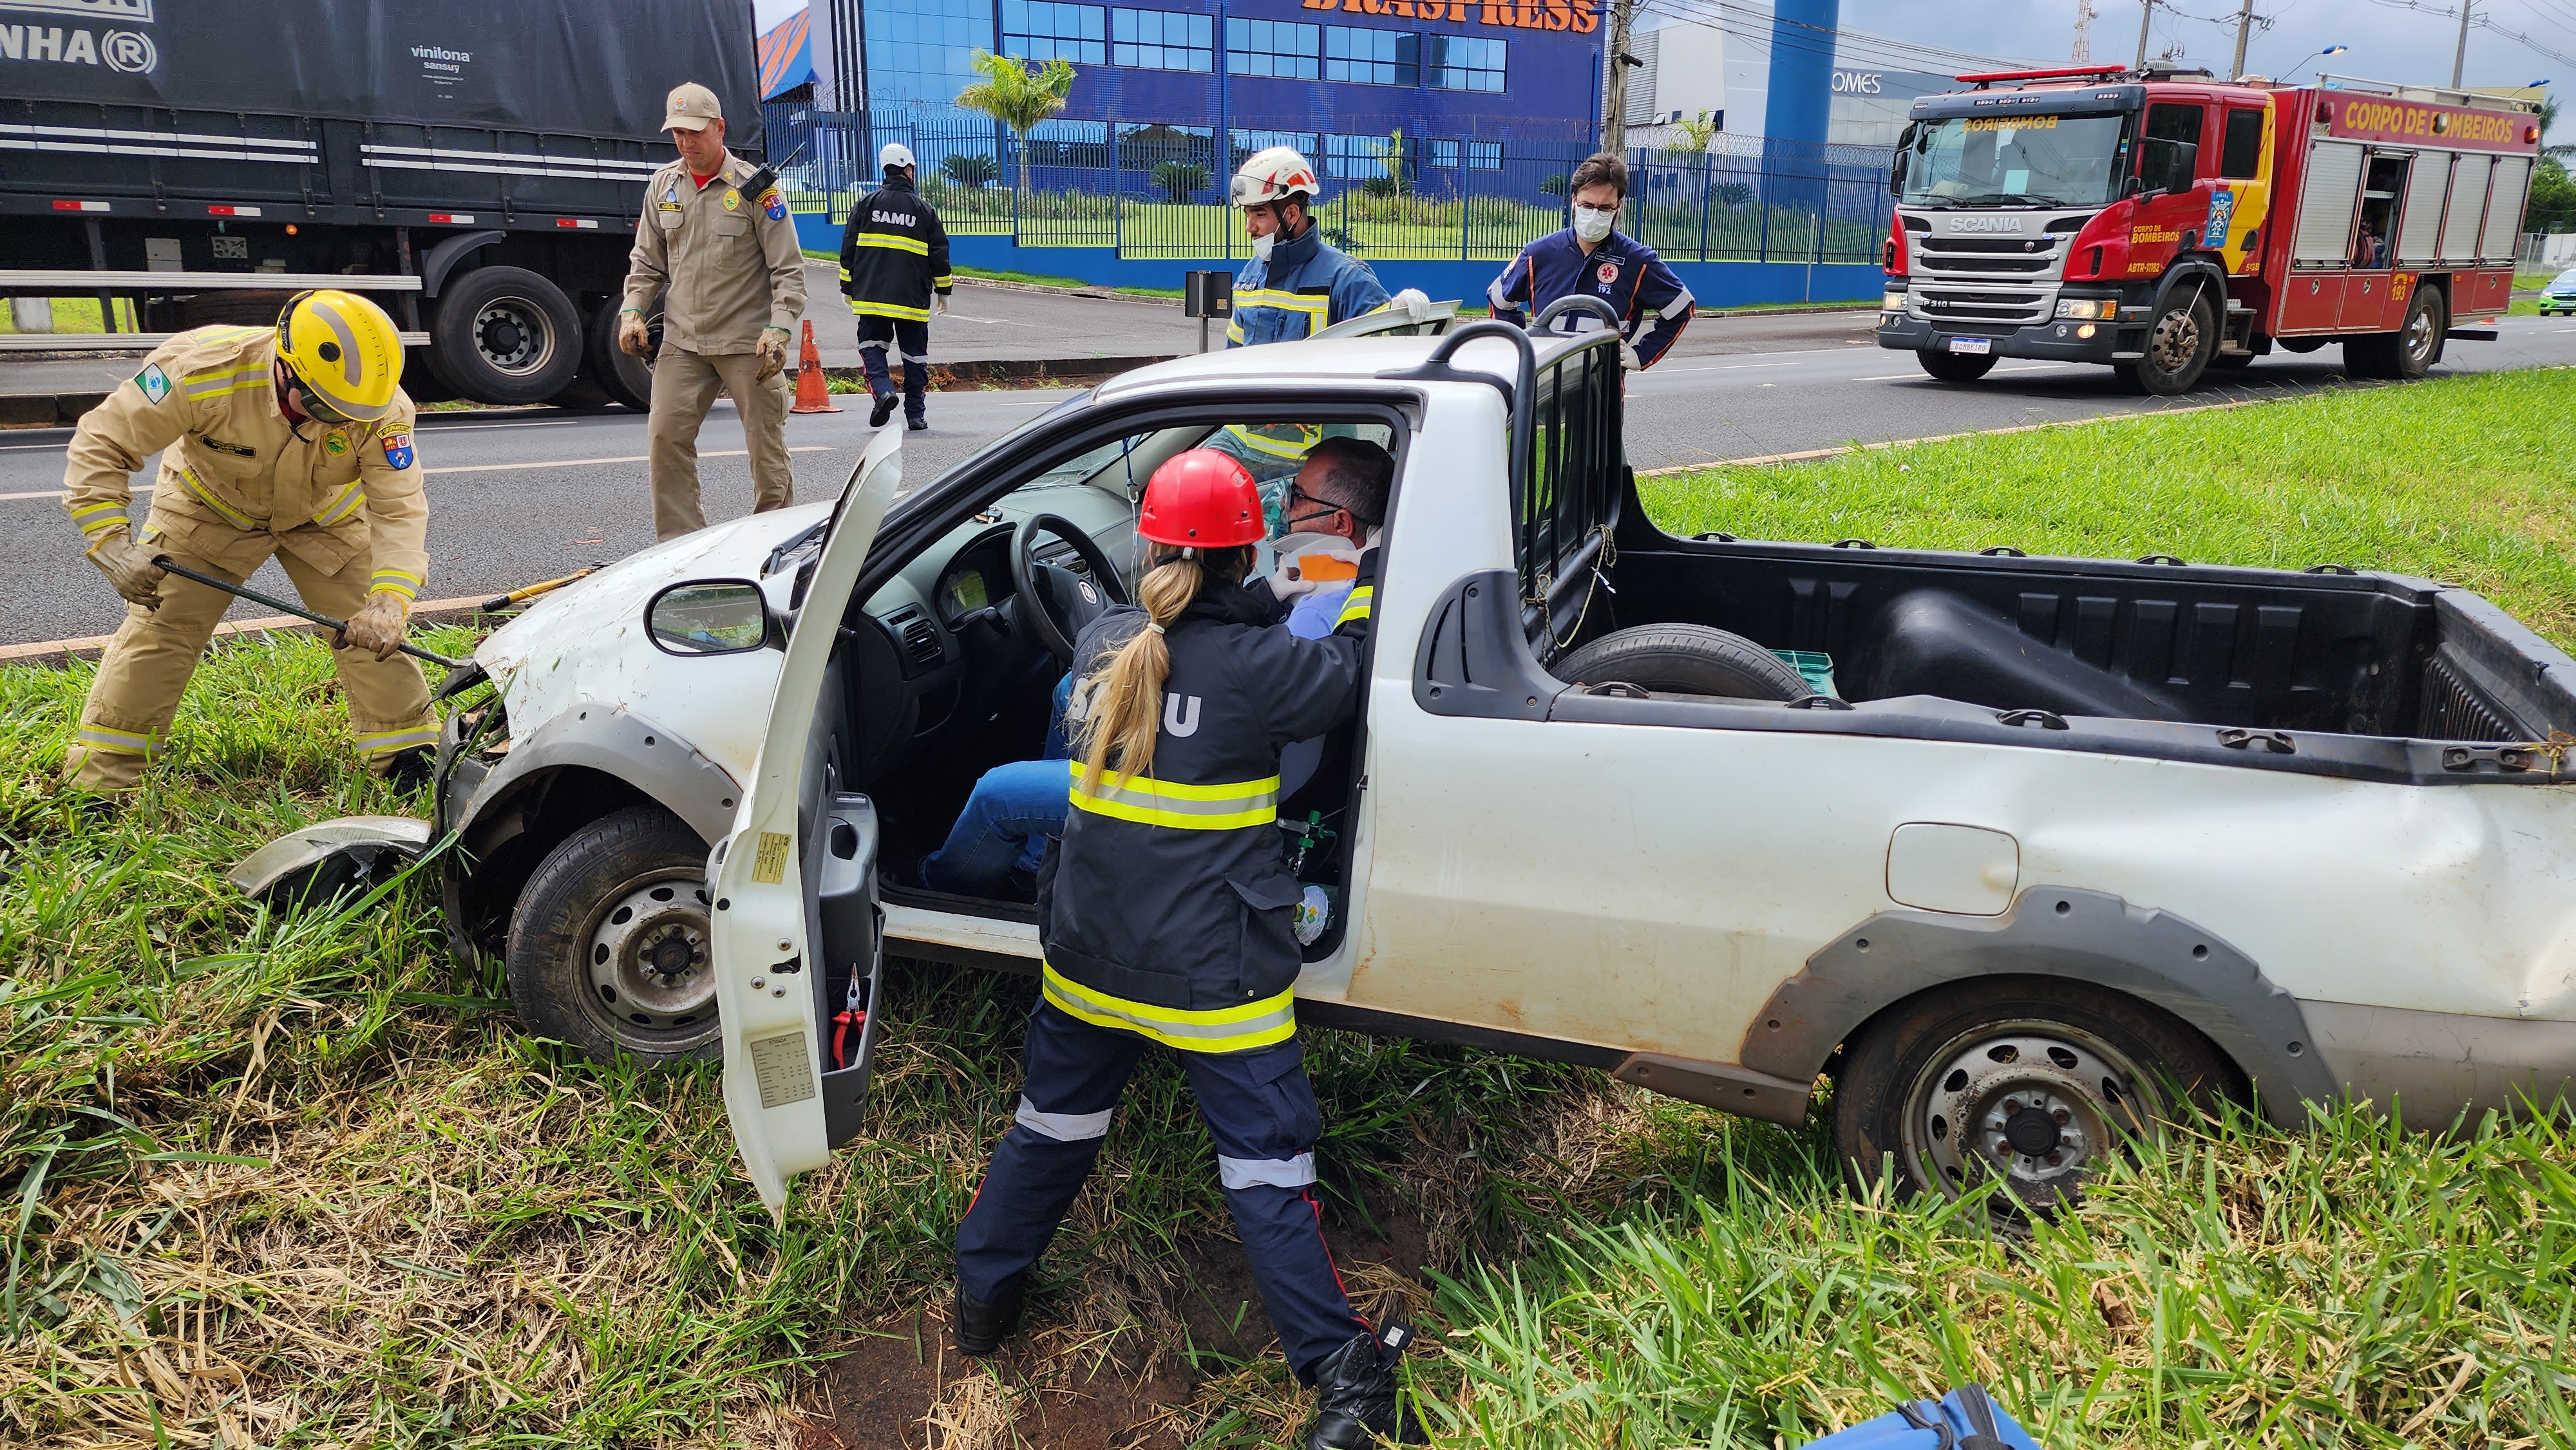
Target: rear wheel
[[505, 335], [2031, 1081], [1684, 659], [1952, 367], [627, 380], [608, 945]]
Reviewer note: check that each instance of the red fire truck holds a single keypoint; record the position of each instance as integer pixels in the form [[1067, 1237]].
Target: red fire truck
[[2166, 223]]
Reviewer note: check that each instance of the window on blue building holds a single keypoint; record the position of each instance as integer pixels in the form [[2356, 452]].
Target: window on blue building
[[1246, 143], [1484, 155], [917, 49], [1355, 158], [1440, 155], [1051, 30], [1161, 40], [1464, 63], [1281, 48], [1371, 56]]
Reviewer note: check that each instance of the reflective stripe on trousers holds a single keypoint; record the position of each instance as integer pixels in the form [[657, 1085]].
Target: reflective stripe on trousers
[[1224, 1029]]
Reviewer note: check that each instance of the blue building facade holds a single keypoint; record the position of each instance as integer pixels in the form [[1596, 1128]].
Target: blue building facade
[[1333, 76]]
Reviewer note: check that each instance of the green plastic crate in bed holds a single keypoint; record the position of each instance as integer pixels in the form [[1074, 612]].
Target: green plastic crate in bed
[[1814, 666]]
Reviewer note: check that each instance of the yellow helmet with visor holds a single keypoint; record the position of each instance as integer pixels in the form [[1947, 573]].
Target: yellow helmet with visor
[[343, 356]]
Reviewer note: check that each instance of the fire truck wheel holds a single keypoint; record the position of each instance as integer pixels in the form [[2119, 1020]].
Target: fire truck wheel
[[2180, 342], [1951, 367]]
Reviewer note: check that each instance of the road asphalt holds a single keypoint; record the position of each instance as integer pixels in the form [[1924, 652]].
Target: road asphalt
[[522, 496]]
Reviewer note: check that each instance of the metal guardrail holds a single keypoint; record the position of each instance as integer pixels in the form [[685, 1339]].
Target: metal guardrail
[[133, 342], [90, 284]]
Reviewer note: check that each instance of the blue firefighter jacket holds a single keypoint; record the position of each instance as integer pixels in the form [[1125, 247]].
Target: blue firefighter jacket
[[1652, 303], [1303, 288]]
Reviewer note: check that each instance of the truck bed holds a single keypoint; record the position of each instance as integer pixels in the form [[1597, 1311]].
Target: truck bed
[[2340, 652]]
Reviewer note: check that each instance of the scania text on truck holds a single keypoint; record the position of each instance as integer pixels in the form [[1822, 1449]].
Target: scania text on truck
[[2166, 223], [478, 167]]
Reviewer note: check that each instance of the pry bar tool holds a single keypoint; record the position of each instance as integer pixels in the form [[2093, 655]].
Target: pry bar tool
[[163, 562]]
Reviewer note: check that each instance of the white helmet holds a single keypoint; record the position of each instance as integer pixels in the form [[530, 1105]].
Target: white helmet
[[895, 154], [1274, 173]]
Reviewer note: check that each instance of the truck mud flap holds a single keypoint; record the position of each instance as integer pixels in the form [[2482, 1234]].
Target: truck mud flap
[[330, 858]]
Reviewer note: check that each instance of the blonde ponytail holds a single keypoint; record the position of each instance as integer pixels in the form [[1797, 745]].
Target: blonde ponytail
[[1125, 694]]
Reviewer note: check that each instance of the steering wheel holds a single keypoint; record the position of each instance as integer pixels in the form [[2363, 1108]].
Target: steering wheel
[[1057, 602]]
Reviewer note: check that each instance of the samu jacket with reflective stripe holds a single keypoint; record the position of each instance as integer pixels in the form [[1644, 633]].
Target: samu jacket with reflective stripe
[[237, 480], [894, 254], [1166, 907], [1303, 288], [1651, 300]]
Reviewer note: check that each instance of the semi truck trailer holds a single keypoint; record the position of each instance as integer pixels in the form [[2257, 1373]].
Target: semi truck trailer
[[477, 166], [2165, 223]]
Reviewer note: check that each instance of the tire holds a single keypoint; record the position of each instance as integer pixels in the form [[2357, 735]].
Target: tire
[[2045, 1063], [591, 934], [1684, 659], [2181, 339], [421, 382], [505, 335], [2409, 352], [1951, 367], [626, 380]]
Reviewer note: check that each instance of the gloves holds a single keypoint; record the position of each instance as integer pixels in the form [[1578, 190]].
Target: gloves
[[379, 626], [1415, 305], [772, 352], [941, 306], [632, 340], [1628, 356], [129, 568]]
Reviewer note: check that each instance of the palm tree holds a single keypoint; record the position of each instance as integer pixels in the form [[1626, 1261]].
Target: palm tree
[[1017, 96], [2548, 118]]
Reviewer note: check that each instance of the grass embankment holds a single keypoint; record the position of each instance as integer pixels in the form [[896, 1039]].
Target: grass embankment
[[303, 1183]]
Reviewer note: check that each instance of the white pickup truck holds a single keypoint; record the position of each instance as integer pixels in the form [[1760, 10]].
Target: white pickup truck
[[2075, 844]]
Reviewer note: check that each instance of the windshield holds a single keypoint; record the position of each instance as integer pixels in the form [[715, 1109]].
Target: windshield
[[1980, 161], [2566, 283]]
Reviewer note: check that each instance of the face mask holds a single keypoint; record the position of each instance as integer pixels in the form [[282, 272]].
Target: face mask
[[1308, 562], [1592, 225], [1261, 247]]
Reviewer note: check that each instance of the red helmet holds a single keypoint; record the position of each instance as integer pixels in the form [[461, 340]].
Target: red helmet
[[1202, 499]]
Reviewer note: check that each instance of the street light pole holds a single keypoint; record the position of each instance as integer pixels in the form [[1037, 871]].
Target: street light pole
[[2146, 16], [1614, 126], [2460, 55], [2244, 29]]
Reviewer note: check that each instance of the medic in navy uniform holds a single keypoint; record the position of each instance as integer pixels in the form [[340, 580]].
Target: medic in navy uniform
[[1594, 259], [1165, 916]]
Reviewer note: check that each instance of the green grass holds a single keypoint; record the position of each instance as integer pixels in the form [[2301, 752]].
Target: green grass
[[2462, 479], [77, 315], [303, 1182]]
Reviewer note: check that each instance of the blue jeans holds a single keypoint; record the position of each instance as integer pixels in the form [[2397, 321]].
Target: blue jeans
[[1014, 811]]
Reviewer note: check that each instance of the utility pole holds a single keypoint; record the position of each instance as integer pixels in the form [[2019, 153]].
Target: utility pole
[[2460, 56], [2084, 15], [1614, 126], [2244, 30], [2146, 17]]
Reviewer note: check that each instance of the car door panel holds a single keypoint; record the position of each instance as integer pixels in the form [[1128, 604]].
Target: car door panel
[[772, 946]]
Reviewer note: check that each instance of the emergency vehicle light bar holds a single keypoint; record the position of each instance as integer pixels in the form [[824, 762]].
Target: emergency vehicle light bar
[[2066, 72]]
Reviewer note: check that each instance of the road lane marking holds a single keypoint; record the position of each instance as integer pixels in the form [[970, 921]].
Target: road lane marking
[[499, 467]]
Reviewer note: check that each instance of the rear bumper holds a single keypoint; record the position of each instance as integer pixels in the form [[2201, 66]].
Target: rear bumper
[[2054, 341]]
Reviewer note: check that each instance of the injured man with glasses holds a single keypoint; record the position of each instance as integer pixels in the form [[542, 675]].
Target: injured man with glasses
[[1331, 514]]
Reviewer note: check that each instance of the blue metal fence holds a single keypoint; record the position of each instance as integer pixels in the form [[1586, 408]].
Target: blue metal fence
[[1156, 190]]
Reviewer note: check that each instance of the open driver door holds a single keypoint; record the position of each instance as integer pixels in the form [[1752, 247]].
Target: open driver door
[[796, 938]]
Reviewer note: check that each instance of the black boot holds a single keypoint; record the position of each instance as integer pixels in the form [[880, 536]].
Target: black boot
[[1356, 1395], [881, 410], [980, 1327]]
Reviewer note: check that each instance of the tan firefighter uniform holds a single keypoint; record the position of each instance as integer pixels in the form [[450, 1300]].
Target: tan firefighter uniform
[[726, 265], [339, 506]]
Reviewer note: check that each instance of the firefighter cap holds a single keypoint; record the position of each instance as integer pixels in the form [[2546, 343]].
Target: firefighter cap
[[343, 351], [690, 108]]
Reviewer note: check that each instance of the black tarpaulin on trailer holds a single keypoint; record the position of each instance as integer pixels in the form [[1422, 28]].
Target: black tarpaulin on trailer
[[599, 68]]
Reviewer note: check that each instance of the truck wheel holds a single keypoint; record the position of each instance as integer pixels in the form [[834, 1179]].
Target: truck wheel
[[608, 944], [2034, 1081], [1951, 367], [628, 380], [2419, 342], [505, 335], [2180, 342], [1684, 659]]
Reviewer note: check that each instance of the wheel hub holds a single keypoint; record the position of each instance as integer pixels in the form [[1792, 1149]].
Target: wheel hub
[[2176, 339], [508, 338], [2035, 1104], [648, 955]]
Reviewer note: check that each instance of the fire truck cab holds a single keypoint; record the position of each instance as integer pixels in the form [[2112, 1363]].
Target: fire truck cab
[[2165, 223]]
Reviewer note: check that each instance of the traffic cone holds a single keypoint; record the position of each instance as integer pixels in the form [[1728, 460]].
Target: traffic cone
[[813, 395]]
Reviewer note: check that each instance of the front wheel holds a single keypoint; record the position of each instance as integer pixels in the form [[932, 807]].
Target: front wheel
[[1951, 367], [2180, 342], [608, 945], [2033, 1082]]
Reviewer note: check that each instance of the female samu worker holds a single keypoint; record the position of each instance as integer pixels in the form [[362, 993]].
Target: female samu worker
[[1165, 917]]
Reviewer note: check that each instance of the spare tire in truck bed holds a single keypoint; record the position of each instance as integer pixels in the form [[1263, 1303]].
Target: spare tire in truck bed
[[1684, 659]]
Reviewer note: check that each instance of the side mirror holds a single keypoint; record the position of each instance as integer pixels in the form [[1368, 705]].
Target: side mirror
[[1896, 175], [2186, 165], [709, 617]]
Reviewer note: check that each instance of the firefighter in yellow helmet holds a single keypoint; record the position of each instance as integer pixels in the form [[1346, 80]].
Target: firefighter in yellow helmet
[[293, 441]]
